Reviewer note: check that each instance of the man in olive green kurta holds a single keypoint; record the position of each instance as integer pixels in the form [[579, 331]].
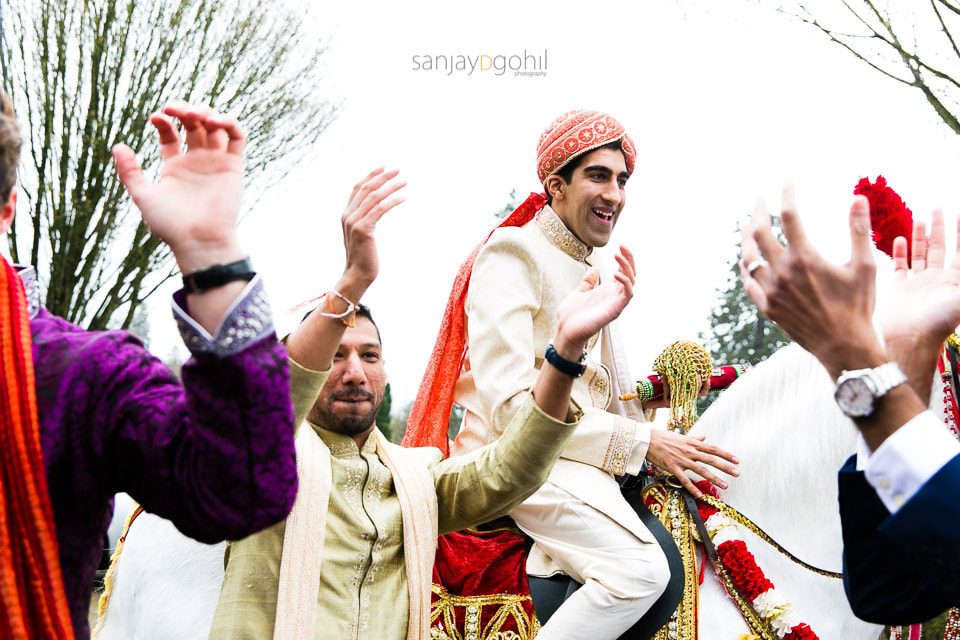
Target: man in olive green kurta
[[363, 585]]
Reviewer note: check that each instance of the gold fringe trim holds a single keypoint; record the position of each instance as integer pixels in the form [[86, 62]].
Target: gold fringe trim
[[108, 579], [684, 366]]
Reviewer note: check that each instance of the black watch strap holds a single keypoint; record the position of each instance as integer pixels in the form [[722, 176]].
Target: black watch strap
[[218, 275], [572, 369]]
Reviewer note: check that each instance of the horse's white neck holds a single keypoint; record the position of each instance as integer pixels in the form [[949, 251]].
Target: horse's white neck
[[782, 423]]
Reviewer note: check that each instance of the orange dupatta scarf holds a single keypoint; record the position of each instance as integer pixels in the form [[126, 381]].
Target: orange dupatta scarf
[[427, 423], [33, 603]]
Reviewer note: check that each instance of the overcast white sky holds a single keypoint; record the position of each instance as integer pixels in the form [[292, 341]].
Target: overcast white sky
[[724, 105]]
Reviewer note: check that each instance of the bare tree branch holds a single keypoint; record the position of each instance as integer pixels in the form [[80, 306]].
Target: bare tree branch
[[838, 40], [930, 64], [84, 75], [950, 6]]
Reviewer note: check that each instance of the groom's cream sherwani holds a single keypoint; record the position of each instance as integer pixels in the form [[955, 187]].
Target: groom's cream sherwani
[[520, 277]]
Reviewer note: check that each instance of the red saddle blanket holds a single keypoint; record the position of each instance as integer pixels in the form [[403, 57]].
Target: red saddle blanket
[[480, 587]]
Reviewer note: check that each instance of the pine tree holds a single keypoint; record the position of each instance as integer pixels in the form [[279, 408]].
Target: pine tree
[[383, 413], [738, 332]]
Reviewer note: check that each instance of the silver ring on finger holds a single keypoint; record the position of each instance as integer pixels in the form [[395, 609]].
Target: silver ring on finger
[[756, 264]]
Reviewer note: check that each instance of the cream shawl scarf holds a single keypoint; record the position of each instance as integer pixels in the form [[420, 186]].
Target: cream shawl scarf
[[303, 538], [612, 355]]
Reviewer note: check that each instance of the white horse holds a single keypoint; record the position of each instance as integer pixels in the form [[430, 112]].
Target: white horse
[[780, 420], [165, 585]]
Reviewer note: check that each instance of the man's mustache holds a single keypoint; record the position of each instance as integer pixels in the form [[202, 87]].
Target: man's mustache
[[354, 396]]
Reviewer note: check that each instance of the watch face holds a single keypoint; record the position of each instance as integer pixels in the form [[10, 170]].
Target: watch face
[[855, 397]]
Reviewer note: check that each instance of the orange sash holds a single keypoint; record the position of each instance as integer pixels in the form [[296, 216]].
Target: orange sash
[[427, 423], [32, 599]]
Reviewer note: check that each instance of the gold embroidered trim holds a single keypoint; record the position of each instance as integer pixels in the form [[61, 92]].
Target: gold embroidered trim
[[443, 621], [755, 623], [666, 503], [618, 450], [954, 340], [592, 342], [340, 446], [559, 236], [599, 385]]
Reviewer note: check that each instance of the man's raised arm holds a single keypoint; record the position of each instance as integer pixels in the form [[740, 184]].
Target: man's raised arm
[[215, 454], [313, 344], [897, 504]]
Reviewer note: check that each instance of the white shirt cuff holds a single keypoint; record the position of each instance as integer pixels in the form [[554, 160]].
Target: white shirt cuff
[[907, 459]]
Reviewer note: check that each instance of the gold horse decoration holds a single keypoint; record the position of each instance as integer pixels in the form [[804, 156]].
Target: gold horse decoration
[[684, 366]]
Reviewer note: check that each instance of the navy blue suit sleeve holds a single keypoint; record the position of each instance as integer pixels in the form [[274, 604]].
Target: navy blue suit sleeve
[[902, 568]]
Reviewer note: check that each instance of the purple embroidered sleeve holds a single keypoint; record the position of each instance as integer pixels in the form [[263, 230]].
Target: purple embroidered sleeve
[[215, 455]]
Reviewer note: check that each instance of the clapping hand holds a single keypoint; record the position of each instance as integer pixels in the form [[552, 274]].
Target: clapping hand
[[369, 201], [592, 305], [826, 308], [924, 303], [314, 343], [195, 204], [925, 296]]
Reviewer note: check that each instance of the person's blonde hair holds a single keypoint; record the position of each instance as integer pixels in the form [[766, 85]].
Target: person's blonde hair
[[10, 142]]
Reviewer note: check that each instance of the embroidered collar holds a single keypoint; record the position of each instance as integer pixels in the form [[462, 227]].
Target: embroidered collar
[[31, 287], [342, 446], [560, 236]]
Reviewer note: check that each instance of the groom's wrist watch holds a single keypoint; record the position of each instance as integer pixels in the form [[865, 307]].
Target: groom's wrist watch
[[859, 391]]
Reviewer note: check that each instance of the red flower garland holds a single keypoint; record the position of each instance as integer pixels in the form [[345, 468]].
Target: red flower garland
[[889, 215], [801, 632], [747, 577], [741, 566]]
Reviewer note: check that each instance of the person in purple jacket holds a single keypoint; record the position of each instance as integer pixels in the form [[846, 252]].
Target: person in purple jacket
[[215, 453]]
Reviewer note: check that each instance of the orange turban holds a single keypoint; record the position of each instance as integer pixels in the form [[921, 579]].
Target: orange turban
[[571, 135], [578, 132]]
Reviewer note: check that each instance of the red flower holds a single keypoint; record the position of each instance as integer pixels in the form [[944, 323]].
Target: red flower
[[706, 510], [889, 215], [747, 577], [801, 632]]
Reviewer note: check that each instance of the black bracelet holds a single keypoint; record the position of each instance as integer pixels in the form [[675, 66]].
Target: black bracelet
[[218, 275], [572, 369]]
